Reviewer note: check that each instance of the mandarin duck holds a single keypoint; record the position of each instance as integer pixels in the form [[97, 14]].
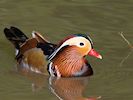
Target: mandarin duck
[[68, 58], [28, 54]]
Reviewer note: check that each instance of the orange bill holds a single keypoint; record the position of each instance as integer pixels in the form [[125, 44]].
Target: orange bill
[[95, 54]]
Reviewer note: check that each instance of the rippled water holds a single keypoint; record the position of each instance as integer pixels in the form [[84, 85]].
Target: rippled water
[[102, 19]]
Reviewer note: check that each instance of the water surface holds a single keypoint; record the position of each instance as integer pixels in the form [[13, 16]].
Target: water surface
[[55, 19]]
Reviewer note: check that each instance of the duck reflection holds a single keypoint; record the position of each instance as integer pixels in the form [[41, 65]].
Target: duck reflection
[[63, 88], [69, 88]]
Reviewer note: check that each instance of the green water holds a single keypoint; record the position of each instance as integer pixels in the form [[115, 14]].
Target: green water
[[103, 19]]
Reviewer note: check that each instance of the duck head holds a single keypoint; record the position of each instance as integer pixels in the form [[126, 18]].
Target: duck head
[[81, 42]]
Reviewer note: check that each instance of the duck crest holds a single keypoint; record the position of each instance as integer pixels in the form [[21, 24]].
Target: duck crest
[[67, 38], [76, 35], [87, 37], [69, 41]]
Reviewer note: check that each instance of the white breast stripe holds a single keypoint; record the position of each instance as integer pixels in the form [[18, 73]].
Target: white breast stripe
[[50, 69]]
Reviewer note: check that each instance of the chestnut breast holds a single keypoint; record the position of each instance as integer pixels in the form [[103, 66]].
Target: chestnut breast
[[68, 61]]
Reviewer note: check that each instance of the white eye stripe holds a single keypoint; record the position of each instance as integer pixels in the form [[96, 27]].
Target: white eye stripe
[[73, 41]]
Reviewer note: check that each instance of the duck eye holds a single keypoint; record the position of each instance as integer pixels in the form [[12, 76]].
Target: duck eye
[[81, 44]]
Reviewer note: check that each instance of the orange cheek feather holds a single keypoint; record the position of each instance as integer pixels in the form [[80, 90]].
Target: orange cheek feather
[[83, 51]]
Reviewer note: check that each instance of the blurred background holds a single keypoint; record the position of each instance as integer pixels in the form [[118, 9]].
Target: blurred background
[[55, 19]]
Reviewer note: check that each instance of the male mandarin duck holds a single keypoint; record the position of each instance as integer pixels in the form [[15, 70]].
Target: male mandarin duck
[[68, 59], [28, 54]]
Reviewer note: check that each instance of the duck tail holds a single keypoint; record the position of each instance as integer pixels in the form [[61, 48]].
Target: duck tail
[[15, 36]]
